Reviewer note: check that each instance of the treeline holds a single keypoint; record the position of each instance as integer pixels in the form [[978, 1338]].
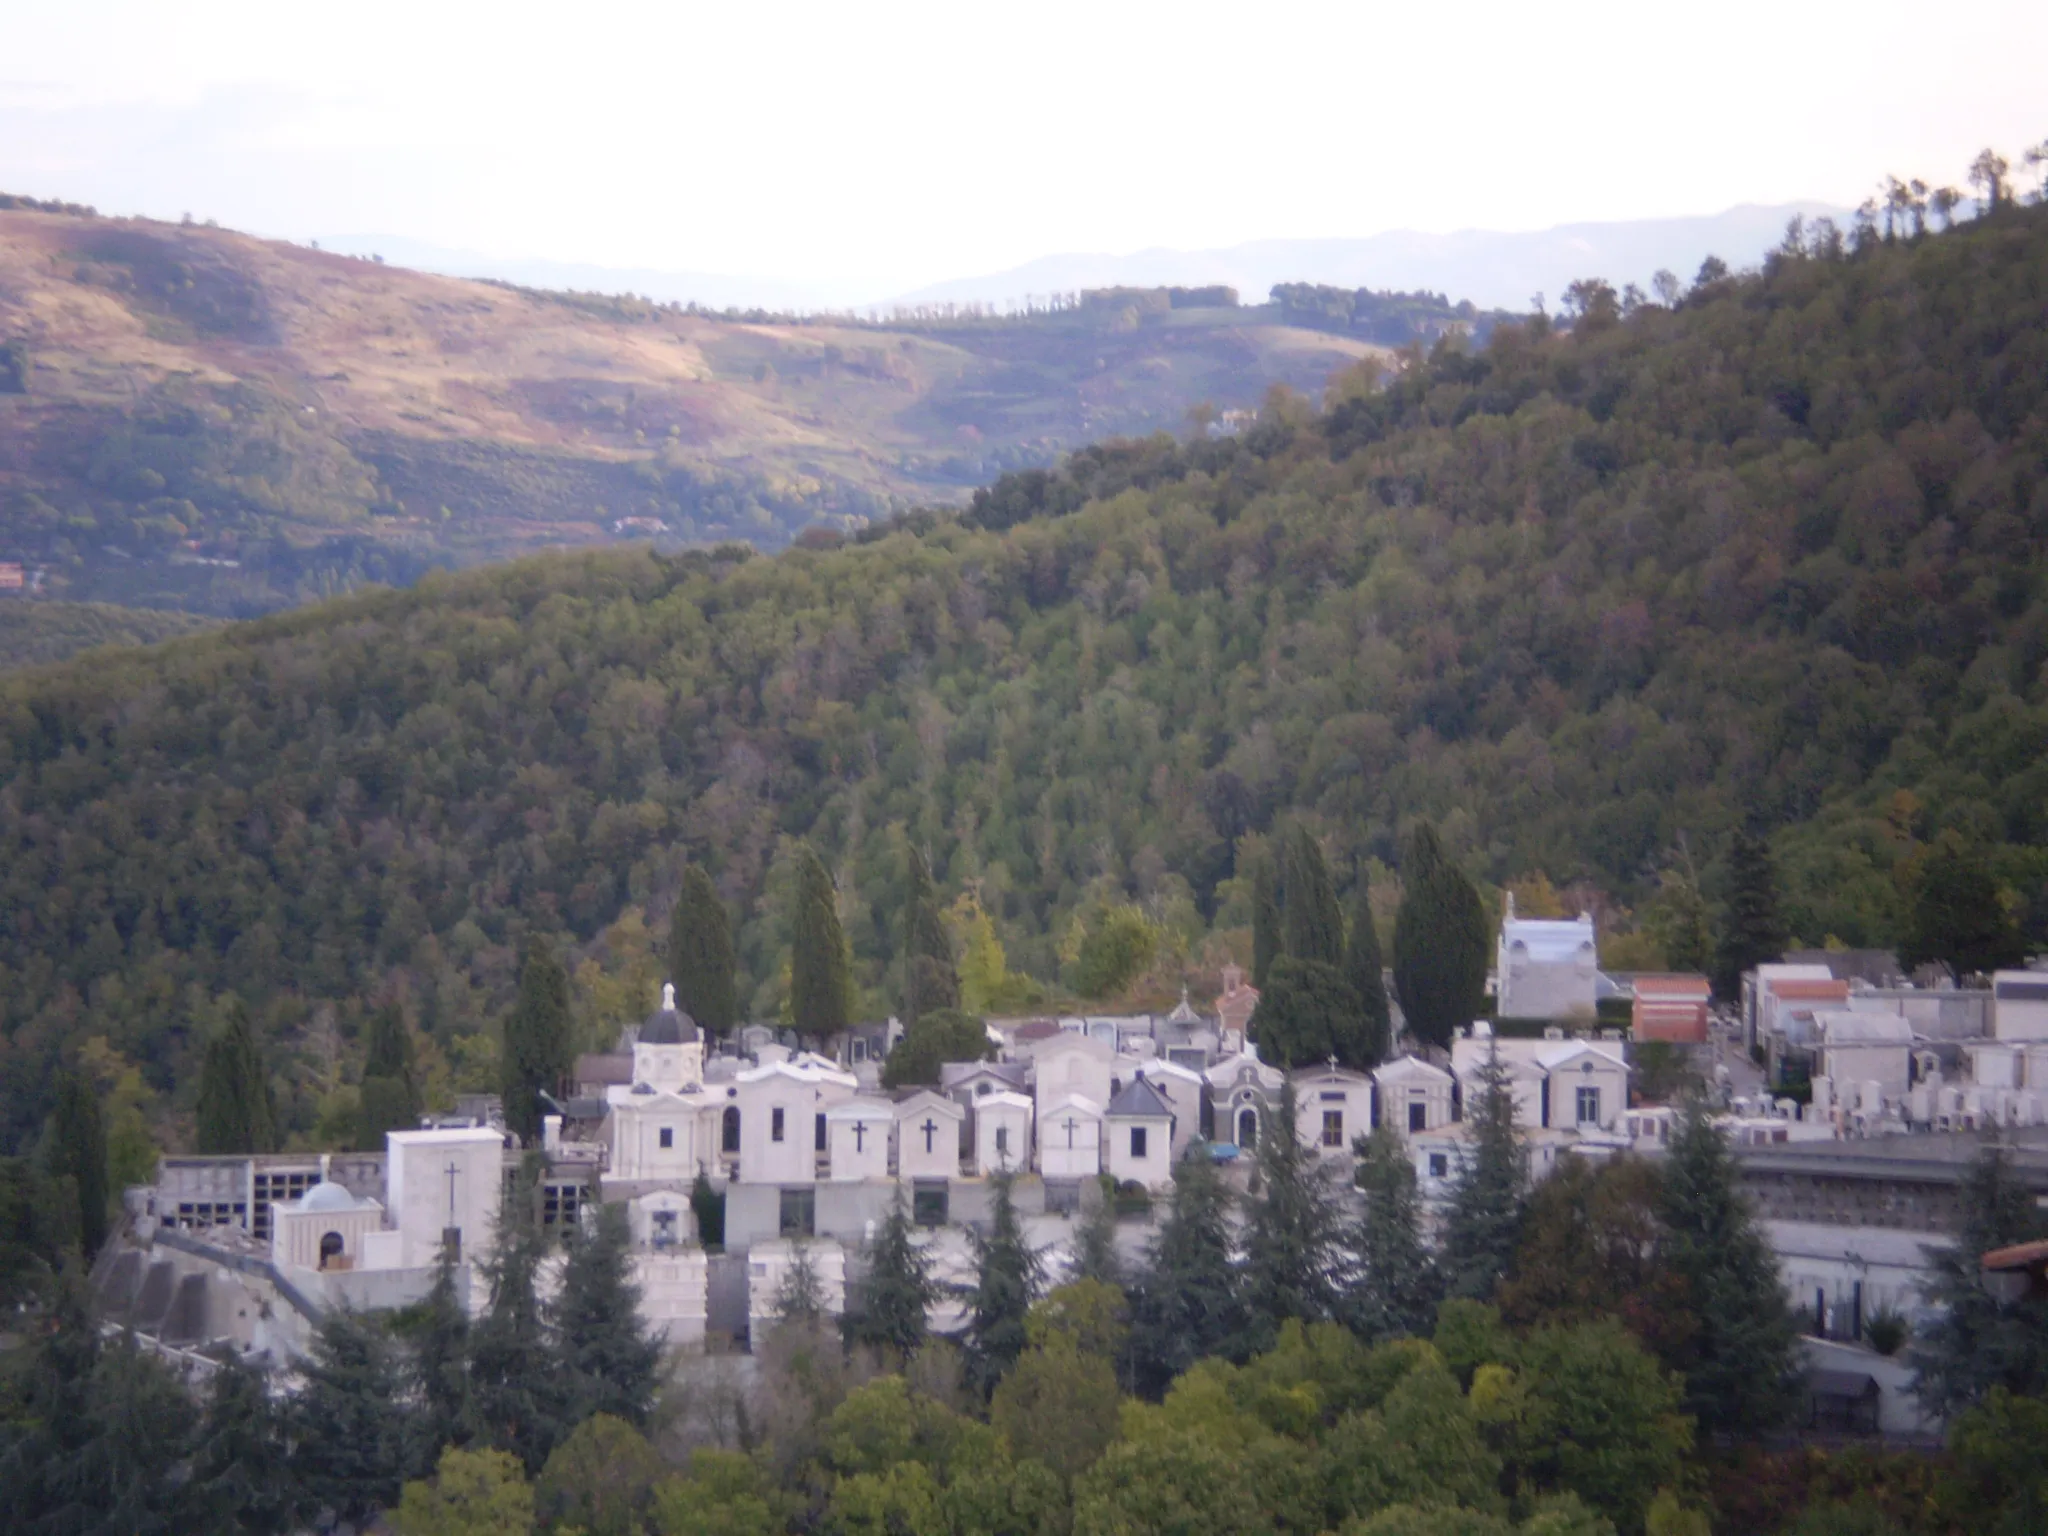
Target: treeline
[[1390, 318]]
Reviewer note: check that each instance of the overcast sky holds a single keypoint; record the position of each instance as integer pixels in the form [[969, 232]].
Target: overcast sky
[[892, 144]]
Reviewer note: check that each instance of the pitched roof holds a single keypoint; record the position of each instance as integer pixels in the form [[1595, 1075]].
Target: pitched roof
[[1140, 1099], [1547, 938]]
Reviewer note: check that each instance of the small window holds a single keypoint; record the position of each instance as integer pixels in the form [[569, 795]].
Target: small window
[[775, 1125], [1138, 1141], [1589, 1106], [668, 1137], [980, 1089], [818, 1136], [1439, 1165], [1418, 1115], [799, 1212], [729, 1130], [860, 1050], [1002, 1141], [928, 1204], [1333, 1127]]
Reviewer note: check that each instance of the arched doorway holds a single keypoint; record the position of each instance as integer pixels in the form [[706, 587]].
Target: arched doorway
[[330, 1248], [729, 1130], [1247, 1128]]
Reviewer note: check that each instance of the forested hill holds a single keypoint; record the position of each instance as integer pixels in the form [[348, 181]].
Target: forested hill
[[1775, 552]]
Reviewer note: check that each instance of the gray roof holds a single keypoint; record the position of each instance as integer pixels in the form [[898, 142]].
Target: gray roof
[[1943, 1157], [1141, 1099], [669, 1026]]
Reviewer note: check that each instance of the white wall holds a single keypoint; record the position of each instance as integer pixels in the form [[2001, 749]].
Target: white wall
[[418, 1190], [1155, 1166], [1070, 1143]]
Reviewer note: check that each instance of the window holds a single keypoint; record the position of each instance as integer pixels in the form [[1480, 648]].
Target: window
[[668, 1137], [1439, 1165], [1589, 1106], [1333, 1127], [560, 1204], [775, 1125], [729, 1130], [800, 1212], [818, 1136], [928, 1203], [860, 1050], [1138, 1141], [1247, 1129], [1418, 1115]]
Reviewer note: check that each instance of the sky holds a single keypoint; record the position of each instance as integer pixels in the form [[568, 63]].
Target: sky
[[869, 149]]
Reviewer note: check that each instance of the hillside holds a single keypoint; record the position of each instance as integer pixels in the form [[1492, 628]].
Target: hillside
[[1775, 553], [192, 418], [36, 633]]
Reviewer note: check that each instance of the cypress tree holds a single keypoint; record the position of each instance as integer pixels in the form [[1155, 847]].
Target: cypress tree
[[142, 1433], [1740, 1363], [241, 1480], [515, 1394], [1266, 935], [234, 1091], [439, 1367], [391, 1094], [1753, 932], [1485, 1219], [1186, 1305], [348, 1447], [1396, 1288], [700, 955], [1307, 1014], [931, 979], [896, 1292], [46, 1439], [1440, 943], [78, 1155], [1365, 970], [1313, 926], [1006, 1280], [1290, 1239], [609, 1364], [820, 979], [537, 1052]]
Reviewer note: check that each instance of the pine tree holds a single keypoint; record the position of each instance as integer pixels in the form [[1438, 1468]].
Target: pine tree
[[1753, 932], [439, 1368], [1396, 1287], [1006, 1280], [820, 979], [1290, 1238], [1313, 925], [1485, 1219], [1095, 1255], [234, 1091], [930, 977], [800, 1295], [142, 1423], [537, 1054], [700, 955], [1958, 918], [1740, 1362], [391, 1094], [1440, 943], [1308, 1014], [241, 1481], [515, 1394], [46, 1437], [609, 1364], [1365, 970], [1979, 1342], [348, 1450], [78, 1154], [1186, 1305], [897, 1291], [1266, 935]]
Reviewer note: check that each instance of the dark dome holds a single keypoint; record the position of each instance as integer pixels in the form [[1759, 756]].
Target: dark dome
[[669, 1025]]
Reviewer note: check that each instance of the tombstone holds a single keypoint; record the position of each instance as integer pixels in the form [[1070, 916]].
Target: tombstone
[[1823, 1098]]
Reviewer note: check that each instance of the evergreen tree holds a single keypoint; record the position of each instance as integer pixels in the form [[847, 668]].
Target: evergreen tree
[[1095, 1255], [391, 1094], [538, 1053], [142, 1431], [1186, 1305], [609, 1365], [708, 1206], [1978, 1342], [1365, 970], [700, 955], [897, 1291], [1396, 1287], [800, 1296], [515, 1394], [1308, 1014], [47, 1432], [1740, 1361], [1006, 1279], [820, 975], [439, 1367], [1753, 933], [348, 1450], [1290, 1238], [1313, 925], [930, 977], [241, 1481], [1679, 920], [1266, 935], [78, 1155], [940, 1035], [234, 1091], [1958, 918], [1440, 943], [1485, 1218]]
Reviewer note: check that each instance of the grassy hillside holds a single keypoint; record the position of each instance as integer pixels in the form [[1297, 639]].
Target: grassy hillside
[[33, 633], [1776, 553], [192, 418]]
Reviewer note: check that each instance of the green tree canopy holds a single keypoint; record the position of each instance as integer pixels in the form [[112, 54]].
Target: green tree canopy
[[1440, 943], [1007, 1274], [1484, 1223], [1307, 1014], [1753, 930], [609, 1364], [820, 983], [1290, 1238], [1980, 1343], [538, 1051], [1365, 971], [1396, 1285], [473, 1493], [939, 1036], [896, 1294], [1267, 940], [931, 978], [391, 1092], [234, 1090], [77, 1155], [1958, 917], [1313, 925], [700, 955]]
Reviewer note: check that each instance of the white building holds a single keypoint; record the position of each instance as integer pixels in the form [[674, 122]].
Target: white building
[[928, 1136], [1243, 1091], [1414, 1095], [1140, 1136], [1331, 1106], [1560, 1084], [1183, 1089], [1002, 1133], [1070, 1138], [1858, 1048], [782, 1109], [1075, 1063], [663, 1124], [857, 1134], [2019, 1005], [768, 1267], [323, 1229], [441, 1188], [1547, 968]]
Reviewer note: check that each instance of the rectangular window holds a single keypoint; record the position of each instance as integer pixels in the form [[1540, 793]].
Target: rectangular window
[[1002, 1140], [1589, 1106], [1333, 1127], [1138, 1141], [1439, 1165], [800, 1212], [668, 1137], [1418, 1115], [928, 1203], [818, 1137], [775, 1125]]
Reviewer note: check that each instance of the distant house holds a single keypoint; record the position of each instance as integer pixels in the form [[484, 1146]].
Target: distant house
[[1671, 1008], [1547, 968], [1243, 1091], [1140, 1136], [1332, 1105], [1413, 1095]]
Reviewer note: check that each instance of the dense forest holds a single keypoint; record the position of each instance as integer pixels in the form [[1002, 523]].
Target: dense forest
[[34, 633], [1769, 554]]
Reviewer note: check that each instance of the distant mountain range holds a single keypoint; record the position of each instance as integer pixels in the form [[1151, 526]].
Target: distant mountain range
[[1493, 268]]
